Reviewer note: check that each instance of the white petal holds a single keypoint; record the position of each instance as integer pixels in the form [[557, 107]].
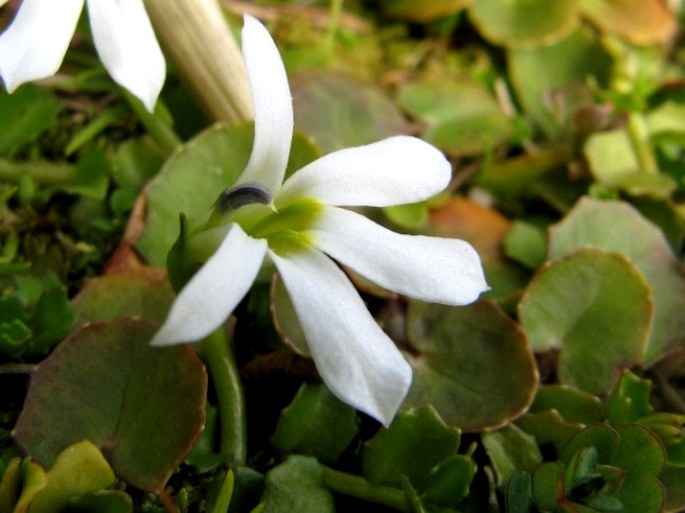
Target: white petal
[[356, 360], [127, 46], [214, 291], [273, 107], [397, 170], [434, 269], [34, 45]]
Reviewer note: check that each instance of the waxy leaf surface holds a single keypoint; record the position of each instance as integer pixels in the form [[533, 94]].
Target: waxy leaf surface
[[472, 363], [142, 406]]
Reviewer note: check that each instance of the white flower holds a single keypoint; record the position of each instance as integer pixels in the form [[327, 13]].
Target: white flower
[[354, 357], [34, 44]]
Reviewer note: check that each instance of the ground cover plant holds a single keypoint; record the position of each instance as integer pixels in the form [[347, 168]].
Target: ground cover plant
[[274, 256]]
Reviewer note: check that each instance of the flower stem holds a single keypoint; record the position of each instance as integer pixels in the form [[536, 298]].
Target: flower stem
[[160, 131], [639, 138], [358, 487], [223, 370], [333, 24], [45, 173]]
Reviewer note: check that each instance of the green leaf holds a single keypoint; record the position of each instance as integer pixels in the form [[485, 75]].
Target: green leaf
[[673, 479], [595, 307], [448, 482], [616, 226], [416, 441], [341, 111], [629, 401], [547, 479], [296, 485], [613, 162], [549, 427], [107, 501], [511, 23], [519, 494], [561, 71], [206, 165], [315, 423], [25, 115], [574, 405], [143, 292], [643, 22], [136, 161], [526, 243], [471, 363], [143, 406], [461, 118], [79, 469], [511, 450]]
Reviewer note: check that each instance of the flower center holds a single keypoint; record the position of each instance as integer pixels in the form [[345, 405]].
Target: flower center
[[252, 207], [287, 228]]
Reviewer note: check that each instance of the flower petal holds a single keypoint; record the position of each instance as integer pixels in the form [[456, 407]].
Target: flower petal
[[397, 170], [356, 360], [273, 107], [434, 269], [127, 46], [215, 290], [34, 44]]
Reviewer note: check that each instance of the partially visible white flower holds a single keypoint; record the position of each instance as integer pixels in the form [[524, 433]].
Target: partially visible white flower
[[355, 358], [34, 44]]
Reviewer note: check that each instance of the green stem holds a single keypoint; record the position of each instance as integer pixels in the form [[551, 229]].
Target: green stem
[[358, 487], [639, 138], [226, 378], [333, 24], [160, 131], [45, 173]]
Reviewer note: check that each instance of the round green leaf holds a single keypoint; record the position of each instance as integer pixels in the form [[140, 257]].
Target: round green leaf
[[142, 406], [471, 363], [593, 306], [190, 182], [602, 437], [513, 24], [340, 111], [560, 72], [639, 451], [143, 292], [616, 226], [460, 118]]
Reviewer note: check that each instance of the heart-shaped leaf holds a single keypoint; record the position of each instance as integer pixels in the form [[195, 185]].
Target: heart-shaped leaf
[[142, 406]]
